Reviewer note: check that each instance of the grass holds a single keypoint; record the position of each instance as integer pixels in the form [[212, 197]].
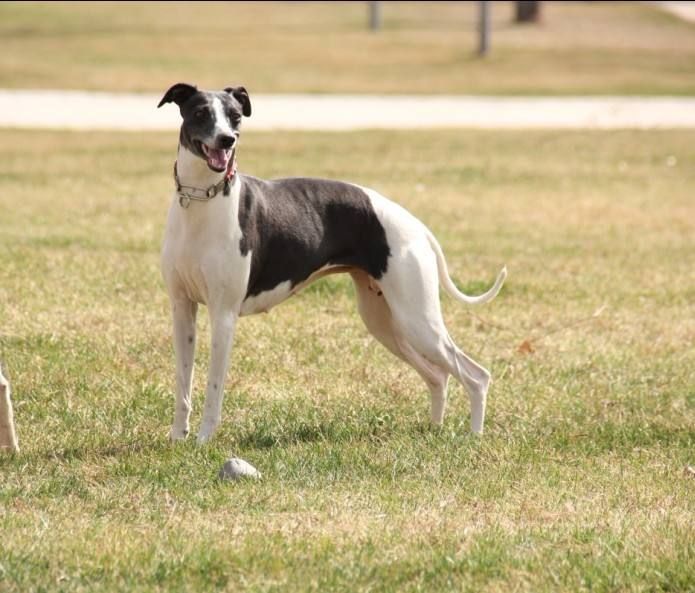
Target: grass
[[580, 48], [577, 485]]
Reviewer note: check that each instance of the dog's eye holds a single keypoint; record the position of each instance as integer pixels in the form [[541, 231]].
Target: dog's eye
[[199, 114], [234, 117]]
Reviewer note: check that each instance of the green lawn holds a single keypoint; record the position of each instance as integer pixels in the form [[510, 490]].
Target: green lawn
[[425, 47], [577, 485]]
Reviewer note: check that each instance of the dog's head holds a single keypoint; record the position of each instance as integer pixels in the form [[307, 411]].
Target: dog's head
[[211, 120]]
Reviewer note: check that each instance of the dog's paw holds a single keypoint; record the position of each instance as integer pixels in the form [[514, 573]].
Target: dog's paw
[[208, 427], [203, 438], [178, 434]]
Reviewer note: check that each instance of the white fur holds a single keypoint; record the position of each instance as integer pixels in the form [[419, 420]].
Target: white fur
[[265, 301], [222, 126], [202, 263], [8, 436], [415, 324]]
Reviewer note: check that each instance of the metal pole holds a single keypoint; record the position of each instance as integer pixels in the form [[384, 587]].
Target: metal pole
[[484, 27], [374, 15]]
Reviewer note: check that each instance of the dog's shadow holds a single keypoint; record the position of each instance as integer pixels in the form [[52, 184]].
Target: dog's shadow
[[378, 428]]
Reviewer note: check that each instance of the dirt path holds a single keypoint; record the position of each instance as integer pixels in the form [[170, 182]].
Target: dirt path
[[107, 111]]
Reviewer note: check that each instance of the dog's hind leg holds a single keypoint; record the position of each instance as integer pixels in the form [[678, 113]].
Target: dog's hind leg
[[184, 314], [433, 344], [411, 289], [476, 380], [376, 315], [437, 378]]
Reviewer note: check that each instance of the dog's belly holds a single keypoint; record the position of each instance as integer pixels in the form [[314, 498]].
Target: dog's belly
[[266, 300]]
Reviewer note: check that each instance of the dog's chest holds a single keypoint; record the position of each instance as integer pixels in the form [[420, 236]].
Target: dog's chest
[[201, 253]]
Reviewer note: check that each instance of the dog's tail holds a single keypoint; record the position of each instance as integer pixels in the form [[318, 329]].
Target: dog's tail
[[450, 287]]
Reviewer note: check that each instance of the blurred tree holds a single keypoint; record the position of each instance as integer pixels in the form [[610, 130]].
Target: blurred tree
[[527, 11], [374, 15]]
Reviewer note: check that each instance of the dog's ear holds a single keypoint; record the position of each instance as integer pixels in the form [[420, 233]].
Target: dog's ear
[[241, 95], [179, 94]]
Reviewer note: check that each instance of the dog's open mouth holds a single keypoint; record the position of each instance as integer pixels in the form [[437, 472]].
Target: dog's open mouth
[[217, 158]]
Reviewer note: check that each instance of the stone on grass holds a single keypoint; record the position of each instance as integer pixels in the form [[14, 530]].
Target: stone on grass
[[235, 468]]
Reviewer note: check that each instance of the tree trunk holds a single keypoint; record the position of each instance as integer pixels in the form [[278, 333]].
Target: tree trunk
[[527, 11]]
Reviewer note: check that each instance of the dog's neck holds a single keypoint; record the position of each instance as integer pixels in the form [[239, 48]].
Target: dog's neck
[[194, 171]]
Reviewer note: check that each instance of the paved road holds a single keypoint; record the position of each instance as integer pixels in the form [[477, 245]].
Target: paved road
[[108, 111], [684, 9]]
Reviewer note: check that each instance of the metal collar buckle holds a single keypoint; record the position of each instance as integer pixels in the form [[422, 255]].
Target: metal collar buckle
[[185, 197]]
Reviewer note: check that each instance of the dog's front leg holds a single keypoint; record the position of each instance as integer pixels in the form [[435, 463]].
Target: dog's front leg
[[184, 314], [223, 324]]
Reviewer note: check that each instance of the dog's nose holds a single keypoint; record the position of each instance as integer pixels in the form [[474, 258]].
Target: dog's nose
[[226, 141]]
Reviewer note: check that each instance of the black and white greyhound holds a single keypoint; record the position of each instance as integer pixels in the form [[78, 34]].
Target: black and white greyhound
[[241, 245]]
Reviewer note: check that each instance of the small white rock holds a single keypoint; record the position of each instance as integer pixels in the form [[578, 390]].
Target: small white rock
[[235, 468]]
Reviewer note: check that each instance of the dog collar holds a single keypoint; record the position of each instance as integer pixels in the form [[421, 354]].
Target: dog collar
[[188, 192]]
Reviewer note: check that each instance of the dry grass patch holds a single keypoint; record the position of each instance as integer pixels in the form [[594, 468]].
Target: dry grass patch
[[577, 485], [424, 47]]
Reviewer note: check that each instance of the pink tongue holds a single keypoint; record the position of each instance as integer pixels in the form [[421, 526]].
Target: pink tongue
[[217, 158]]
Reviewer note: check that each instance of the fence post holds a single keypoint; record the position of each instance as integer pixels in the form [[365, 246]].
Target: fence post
[[374, 15], [484, 27]]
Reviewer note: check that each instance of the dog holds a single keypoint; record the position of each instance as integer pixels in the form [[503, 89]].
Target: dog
[[242, 245], [8, 436]]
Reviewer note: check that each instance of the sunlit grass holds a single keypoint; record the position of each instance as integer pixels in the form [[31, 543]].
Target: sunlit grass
[[324, 47], [578, 484]]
